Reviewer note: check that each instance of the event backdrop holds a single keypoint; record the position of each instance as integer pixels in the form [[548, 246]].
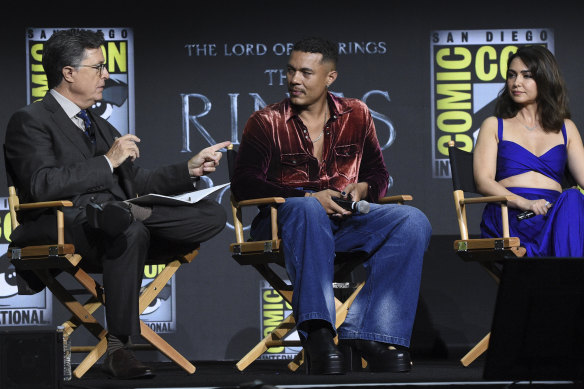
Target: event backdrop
[[185, 76]]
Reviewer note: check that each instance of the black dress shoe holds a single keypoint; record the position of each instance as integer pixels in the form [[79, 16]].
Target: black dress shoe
[[122, 364], [321, 354], [379, 357], [112, 217]]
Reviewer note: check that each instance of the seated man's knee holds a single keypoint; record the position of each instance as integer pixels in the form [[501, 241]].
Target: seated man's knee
[[217, 216], [411, 220], [137, 233], [418, 222], [207, 220]]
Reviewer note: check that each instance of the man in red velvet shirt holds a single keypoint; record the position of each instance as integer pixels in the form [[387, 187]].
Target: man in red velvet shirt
[[310, 148]]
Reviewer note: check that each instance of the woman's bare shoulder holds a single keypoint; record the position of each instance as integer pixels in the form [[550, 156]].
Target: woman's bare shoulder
[[490, 121], [489, 127], [570, 125]]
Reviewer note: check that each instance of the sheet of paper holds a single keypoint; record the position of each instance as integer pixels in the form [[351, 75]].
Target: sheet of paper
[[182, 199], [193, 197]]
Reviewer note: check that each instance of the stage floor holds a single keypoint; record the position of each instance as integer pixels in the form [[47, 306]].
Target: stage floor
[[274, 374]]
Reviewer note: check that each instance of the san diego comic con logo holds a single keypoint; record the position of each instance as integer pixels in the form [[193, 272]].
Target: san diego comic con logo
[[468, 69], [117, 105], [274, 310], [17, 310], [160, 315]]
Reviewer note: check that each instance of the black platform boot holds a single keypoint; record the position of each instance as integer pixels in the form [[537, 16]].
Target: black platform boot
[[379, 357], [321, 354]]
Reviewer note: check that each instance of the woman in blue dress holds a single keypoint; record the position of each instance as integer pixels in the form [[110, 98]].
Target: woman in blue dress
[[524, 149]]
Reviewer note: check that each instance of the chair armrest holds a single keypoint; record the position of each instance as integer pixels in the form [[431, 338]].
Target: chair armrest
[[45, 204], [395, 199], [488, 199], [260, 201], [236, 208], [460, 203], [50, 204]]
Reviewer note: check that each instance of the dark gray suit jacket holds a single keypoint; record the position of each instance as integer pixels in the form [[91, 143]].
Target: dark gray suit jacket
[[50, 159]]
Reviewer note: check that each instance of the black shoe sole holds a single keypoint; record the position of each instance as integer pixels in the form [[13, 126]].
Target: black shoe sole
[[326, 367], [353, 358], [147, 375], [397, 366]]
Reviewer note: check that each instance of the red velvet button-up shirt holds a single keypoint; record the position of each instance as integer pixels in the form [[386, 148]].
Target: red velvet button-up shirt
[[275, 157]]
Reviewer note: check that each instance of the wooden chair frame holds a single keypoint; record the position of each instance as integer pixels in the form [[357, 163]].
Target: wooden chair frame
[[479, 249], [41, 259], [262, 254], [486, 251]]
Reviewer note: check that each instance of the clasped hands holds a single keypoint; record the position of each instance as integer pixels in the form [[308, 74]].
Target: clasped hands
[[205, 162], [355, 192]]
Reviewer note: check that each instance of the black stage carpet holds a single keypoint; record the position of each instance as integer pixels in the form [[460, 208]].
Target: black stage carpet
[[270, 374]]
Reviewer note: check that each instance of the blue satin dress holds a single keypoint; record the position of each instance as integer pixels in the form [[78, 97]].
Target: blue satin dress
[[559, 233]]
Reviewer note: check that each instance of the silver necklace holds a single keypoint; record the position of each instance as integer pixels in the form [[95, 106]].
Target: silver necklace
[[322, 132], [526, 126]]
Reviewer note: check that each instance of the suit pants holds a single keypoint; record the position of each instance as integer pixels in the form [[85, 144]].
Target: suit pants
[[170, 230]]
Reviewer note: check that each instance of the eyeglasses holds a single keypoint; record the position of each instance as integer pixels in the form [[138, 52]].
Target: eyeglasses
[[99, 67]]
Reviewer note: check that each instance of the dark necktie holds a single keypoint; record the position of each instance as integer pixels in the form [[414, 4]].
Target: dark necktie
[[89, 131]]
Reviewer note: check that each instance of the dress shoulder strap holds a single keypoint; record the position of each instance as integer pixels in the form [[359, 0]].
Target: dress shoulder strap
[[500, 129]]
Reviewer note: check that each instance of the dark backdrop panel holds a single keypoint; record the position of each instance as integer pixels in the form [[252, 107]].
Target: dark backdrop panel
[[217, 300]]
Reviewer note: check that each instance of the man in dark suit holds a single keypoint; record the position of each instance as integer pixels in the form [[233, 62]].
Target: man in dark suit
[[58, 150]]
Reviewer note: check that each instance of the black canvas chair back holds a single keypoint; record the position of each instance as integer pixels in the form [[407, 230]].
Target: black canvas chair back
[[461, 167], [231, 155], [568, 180], [8, 168]]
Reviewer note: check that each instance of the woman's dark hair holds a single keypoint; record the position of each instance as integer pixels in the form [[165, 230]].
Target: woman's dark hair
[[329, 50], [67, 48], [552, 98]]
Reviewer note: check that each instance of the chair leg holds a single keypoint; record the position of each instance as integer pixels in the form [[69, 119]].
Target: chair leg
[[277, 334], [297, 361], [146, 297], [82, 316], [95, 353], [79, 311], [165, 348], [91, 358], [476, 351], [75, 322]]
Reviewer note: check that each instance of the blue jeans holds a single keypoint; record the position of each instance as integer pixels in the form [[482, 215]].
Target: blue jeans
[[395, 238]]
